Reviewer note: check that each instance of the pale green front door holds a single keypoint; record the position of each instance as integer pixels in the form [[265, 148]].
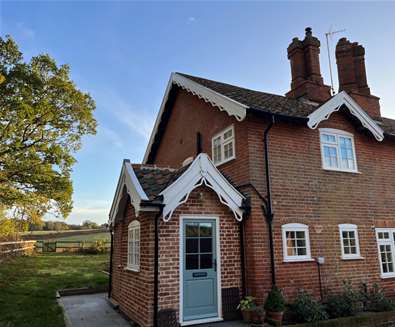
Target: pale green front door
[[200, 300]]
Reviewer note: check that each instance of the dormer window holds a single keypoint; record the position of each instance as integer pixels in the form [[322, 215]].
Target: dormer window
[[223, 146], [338, 150]]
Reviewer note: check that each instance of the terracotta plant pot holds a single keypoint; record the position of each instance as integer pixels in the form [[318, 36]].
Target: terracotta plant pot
[[247, 315], [274, 316]]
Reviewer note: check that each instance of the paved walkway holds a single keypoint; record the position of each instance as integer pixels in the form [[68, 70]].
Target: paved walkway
[[93, 310]]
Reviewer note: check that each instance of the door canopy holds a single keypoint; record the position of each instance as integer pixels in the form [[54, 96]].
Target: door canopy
[[202, 171]]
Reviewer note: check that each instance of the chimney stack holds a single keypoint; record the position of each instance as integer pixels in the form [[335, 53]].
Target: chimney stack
[[307, 81], [350, 58]]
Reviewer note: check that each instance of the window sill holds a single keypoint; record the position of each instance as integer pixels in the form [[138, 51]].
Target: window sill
[[224, 162], [298, 260], [353, 258], [134, 269], [342, 170], [392, 275]]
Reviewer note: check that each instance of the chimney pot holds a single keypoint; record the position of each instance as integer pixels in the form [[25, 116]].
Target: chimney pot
[[305, 69], [350, 58]]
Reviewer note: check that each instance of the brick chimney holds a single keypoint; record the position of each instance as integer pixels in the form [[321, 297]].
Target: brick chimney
[[350, 58], [307, 81]]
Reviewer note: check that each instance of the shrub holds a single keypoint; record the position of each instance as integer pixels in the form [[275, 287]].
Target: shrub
[[375, 300], [275, 300], [307, 309], [96, 248], [345, 304], [247, 303]]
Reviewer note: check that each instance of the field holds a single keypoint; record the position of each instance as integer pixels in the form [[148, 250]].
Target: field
[[28, 286], [66, 235], [86, 238]]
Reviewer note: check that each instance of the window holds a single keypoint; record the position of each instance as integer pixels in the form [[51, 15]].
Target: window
[[349, 241], [296, 242], [134, 246], [337, 150], [386, 247], [199, 249], [223, 146]]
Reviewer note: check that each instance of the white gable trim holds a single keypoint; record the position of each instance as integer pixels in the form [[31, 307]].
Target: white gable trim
[[129, 180], [201, 172], [223, 103], [334, 104]]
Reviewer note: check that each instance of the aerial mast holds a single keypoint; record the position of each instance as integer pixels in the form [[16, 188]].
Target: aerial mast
[[327, 36]]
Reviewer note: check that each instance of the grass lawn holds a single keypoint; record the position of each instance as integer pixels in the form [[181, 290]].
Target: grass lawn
[[28, 286], [86, 238]]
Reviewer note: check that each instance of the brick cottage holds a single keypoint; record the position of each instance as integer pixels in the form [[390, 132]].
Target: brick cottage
[[241, 189]]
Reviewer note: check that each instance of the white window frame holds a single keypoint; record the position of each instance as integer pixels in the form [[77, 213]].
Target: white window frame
[[296, 228], [133, 247], [391, 242], [223, 143], [349, 228], [337, 133]]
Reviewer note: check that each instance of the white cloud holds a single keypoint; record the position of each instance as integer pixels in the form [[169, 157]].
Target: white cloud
[[111, 135], [191, 20], [137, 121]]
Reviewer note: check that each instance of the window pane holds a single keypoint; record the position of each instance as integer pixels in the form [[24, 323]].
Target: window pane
[[330, 156], [192, 261], [206, 261], [302, 251], [206, 245], [206, 229], [228, 150], [328, 138], [346, 153], [192, 230], [192, 245], [217, 149], [300, 235], [228, 134]]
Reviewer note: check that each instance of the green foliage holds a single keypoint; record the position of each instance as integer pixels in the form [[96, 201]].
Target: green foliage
[[89, 224], [345, 304], [375, 299], [98, 247], [28, 286], [275, 300], [43, 117], [247, 303], [307, 309]]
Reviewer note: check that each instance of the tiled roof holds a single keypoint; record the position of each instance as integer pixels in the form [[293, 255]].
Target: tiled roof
[[263, 101], [154, 179], [271, 103]]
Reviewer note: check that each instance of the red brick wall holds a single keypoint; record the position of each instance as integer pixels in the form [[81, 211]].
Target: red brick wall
[[134, 290], [302, 192], [202, 201], [191, 115], [305, 193]]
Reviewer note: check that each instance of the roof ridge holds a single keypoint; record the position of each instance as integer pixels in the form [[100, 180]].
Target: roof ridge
[[232, 85], [154, 167]]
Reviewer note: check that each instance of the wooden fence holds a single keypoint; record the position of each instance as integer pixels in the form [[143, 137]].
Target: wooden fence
[[72, 246], [16, 248]]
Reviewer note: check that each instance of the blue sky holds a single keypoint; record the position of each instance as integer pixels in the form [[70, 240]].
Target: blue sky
[[123, 52]]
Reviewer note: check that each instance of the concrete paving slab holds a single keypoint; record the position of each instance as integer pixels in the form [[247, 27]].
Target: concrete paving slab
[[91, 310]]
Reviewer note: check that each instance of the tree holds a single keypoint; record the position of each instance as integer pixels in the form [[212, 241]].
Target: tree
[[43, 117], [89, 224]]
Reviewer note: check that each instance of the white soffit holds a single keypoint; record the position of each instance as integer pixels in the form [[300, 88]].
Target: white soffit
[[129, 180], [201, 172], [223, 103], [334, 104]]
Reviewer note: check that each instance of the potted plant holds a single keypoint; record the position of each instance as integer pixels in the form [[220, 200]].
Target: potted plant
[[275, 305], [247, 306]]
